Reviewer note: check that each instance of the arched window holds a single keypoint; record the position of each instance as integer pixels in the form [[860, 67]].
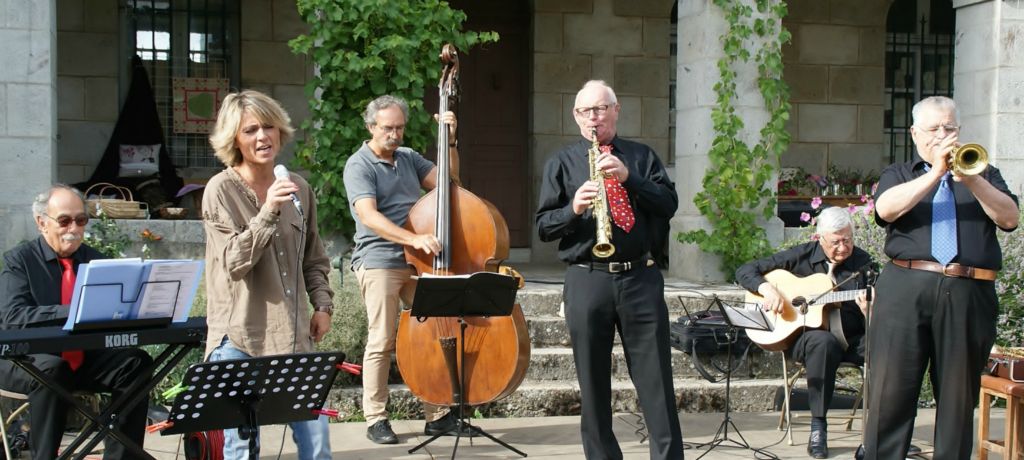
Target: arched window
[[918, 64]]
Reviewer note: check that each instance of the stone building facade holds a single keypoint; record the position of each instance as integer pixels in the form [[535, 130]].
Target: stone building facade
[[63, 82]]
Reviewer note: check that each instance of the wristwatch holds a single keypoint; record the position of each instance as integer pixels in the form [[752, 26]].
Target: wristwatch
[[325, 309]]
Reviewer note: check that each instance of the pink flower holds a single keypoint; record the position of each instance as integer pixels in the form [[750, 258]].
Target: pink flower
[[874, 188], [805, 217], [869, 208], [852, 209], [816, 202], [863, 198]]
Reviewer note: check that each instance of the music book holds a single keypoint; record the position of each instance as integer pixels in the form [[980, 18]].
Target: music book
[[113, 290]]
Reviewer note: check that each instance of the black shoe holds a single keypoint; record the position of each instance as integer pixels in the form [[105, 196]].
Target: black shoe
[[859, 454], [817, 444], [381, 433], [449, 425], [913, 450]]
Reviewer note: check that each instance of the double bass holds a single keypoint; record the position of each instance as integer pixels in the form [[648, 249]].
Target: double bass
[[474, 237]]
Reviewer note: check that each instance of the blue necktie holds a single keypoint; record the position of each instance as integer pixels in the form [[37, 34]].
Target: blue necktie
[[944, 246]]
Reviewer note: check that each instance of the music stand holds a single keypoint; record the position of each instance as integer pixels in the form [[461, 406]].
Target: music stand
[[247, 393], [735, 318], [479, 294]]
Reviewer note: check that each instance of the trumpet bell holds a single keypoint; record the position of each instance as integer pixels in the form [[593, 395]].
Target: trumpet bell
[[968, 159]]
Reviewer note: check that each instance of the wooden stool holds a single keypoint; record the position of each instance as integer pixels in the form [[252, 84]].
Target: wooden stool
[[1012, 445]]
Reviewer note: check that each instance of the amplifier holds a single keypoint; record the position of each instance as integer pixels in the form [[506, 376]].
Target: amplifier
[[1007, 363]]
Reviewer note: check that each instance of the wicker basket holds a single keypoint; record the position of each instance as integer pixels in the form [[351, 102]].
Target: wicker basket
[[115, 208]]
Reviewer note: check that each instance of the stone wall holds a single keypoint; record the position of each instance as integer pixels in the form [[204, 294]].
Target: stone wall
[[90, 89], [623, 42], [835, 68], [28, 100]]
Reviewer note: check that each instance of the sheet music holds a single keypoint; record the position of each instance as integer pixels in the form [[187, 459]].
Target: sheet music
[[170, 288]]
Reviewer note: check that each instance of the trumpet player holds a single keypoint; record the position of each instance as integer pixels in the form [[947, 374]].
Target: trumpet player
[[616, 285], [936, 301]]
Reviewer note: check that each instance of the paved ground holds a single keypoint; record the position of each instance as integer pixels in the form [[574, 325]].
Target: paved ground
[[558, 438]]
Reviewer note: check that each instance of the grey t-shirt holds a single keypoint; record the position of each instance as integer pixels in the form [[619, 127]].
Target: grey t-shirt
[[396, 187]]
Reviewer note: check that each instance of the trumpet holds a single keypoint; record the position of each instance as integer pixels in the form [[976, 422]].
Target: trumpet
[[603, 248], [968, 159]]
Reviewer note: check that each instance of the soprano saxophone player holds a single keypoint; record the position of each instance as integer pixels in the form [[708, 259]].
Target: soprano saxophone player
[[619, 290]]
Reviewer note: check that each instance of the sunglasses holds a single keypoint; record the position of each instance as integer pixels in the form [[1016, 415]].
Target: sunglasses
[[63, 220]]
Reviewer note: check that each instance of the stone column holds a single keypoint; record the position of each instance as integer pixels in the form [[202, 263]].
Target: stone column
[[700, 26], [987, 76], [28, 113]]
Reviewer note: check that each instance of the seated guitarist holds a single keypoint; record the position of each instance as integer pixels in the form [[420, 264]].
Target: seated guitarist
[[820, 351]]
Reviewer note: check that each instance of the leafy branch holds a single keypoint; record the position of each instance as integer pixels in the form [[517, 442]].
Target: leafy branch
[[364, 49], [737, 186]]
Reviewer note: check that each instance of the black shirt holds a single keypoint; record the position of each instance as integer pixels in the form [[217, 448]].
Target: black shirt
[[808, 259], [910, 236], [30, 284], [651, 195]]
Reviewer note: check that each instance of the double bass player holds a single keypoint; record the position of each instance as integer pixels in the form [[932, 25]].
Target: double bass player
[[383, 181]]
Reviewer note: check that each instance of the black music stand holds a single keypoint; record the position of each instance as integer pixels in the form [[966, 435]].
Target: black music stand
[[736, 318], [479, 294], [247, 393]]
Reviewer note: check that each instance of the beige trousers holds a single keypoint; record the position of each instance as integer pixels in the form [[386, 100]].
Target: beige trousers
[[384, 290]]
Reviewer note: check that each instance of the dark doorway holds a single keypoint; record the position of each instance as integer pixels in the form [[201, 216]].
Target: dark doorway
[[492, 111]]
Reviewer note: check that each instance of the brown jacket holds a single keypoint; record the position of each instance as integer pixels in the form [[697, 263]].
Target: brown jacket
[[253, 295]]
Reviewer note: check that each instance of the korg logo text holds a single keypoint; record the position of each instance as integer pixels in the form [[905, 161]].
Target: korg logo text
[[121, 340]]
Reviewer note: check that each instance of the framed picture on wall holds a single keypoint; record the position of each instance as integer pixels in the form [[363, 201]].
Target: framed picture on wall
[[196, 101]]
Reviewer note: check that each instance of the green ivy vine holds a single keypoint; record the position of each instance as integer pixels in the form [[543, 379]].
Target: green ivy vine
[[737, 185], [364, 49]]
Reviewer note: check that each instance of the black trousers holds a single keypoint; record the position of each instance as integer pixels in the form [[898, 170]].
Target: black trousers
[[821, 355], [596, 305], [102, 371], [923, 318]]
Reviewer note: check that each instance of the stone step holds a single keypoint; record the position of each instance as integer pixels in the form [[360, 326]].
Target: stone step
[[541, 399], [543, 300], [556, 363]]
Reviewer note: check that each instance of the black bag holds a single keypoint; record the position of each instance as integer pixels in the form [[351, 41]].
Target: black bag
[[703, 335]]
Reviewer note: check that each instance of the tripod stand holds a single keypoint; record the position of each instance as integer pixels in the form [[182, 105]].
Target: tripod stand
[[735, 318]]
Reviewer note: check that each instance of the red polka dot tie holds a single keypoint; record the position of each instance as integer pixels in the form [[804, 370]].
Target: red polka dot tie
[[618, 200]]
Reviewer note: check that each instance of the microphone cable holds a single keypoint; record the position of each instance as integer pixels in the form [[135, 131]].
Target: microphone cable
[[295, 311]]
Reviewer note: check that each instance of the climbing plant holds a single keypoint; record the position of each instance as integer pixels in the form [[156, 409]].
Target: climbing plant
[[363, 49], [738, 185]]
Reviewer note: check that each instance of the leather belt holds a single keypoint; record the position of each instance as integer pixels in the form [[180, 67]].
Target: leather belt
[[618, 267], [953, 270]]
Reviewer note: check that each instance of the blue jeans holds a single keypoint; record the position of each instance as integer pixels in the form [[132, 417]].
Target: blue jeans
[[311, 437]]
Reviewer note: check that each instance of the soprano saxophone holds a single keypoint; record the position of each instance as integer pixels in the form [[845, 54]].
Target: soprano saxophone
[[599, 206]]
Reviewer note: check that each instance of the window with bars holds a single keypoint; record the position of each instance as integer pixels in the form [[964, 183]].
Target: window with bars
[[918, 64], [184, 39]]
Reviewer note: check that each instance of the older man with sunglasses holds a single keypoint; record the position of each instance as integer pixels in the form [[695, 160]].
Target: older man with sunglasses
[[35, 290]]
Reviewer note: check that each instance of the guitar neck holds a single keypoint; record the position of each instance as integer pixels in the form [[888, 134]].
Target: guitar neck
[[837, 296]]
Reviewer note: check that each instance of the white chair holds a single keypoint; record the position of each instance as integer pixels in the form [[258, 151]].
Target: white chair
[[6, 421], [790, 377]]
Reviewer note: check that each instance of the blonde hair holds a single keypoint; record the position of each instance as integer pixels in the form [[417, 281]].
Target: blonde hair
[[235, 105]]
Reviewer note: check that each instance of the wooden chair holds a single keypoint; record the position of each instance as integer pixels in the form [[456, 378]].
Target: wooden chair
[[790, 377], [1012, 445], [9, 419]]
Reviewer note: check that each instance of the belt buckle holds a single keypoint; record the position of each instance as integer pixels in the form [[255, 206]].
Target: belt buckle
[[616, 267], [946, 272]]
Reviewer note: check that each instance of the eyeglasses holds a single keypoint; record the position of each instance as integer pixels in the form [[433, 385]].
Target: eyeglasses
[[391, 129], [947, 128], [586, 111], [64, 220], [839, 241]]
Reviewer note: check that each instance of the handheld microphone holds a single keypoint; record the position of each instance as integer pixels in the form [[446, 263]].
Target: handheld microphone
[[281, 172]]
